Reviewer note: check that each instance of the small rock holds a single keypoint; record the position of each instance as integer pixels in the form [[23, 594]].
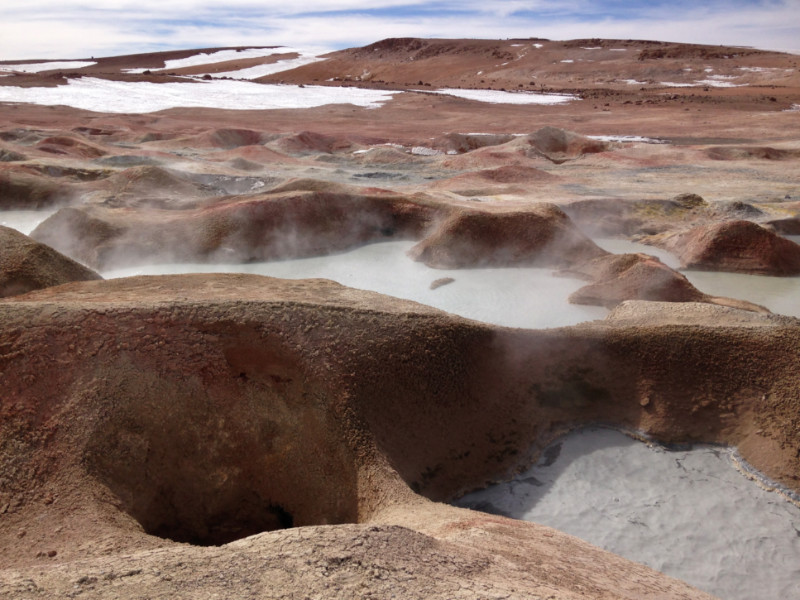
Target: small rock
[[440, 282]]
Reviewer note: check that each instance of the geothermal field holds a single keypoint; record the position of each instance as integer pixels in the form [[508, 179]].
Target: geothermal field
[[423, 319]]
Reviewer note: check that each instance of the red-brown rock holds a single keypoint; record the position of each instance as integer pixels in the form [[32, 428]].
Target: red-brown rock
[[619, 277], [290, 222], [737, 246], [540, 236]]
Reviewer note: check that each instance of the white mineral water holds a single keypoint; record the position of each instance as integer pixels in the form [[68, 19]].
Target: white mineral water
[[687, 513], [519, 297]]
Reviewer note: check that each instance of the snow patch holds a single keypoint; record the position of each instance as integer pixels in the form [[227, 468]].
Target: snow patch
[[423, 151], [100, 95], [720, 84], [499, 97], [205, 58], [627, 138], [270, 69], [48, 66]]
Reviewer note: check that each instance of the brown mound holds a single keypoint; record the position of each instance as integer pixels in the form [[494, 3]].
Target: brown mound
[[621, 277], [288, 222], [26, 190], [465, 142], [539, 236], [27, 265], [149, 182], [309, 142], [560, 145], [233, 138], [748, 152], [514, 174], [69, 146], [737, 246], [788, 226]]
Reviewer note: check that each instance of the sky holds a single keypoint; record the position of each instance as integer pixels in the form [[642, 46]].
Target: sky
[[50, 29]]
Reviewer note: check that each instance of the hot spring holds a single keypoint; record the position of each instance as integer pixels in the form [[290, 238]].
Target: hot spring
[[687, 512]]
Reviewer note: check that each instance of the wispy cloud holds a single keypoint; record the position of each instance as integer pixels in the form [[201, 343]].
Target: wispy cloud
[[78, 29]]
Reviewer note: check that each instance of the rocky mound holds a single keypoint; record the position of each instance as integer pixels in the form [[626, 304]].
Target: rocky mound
[[750, 152], [737, 246], [69, 146], [559, 145], [538, 236], [25, 190], [310, 142], [787, 226], [620, 277], [292, 221], [27, 265], [149, 182], [229, 137], [467, 142], [206, 408]]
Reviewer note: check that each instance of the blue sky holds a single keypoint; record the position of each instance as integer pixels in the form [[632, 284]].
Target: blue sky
[[81, 28]]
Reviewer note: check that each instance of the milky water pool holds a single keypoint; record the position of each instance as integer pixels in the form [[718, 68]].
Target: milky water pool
[[688, 513], [518, 297]]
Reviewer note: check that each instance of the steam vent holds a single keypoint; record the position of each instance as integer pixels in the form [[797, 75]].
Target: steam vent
[[428, 319]]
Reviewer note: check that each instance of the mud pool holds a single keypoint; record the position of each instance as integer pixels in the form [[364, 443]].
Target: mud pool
[[688, 513], [522, 297]]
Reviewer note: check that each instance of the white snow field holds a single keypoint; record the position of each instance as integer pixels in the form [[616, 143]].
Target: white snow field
[[100, 95]]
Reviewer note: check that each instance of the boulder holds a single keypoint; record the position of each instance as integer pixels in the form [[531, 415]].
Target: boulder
[[539, 236], [27, 265], [736, 246]]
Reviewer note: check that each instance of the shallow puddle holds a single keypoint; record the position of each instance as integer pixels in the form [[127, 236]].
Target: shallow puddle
[[688, 513]]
